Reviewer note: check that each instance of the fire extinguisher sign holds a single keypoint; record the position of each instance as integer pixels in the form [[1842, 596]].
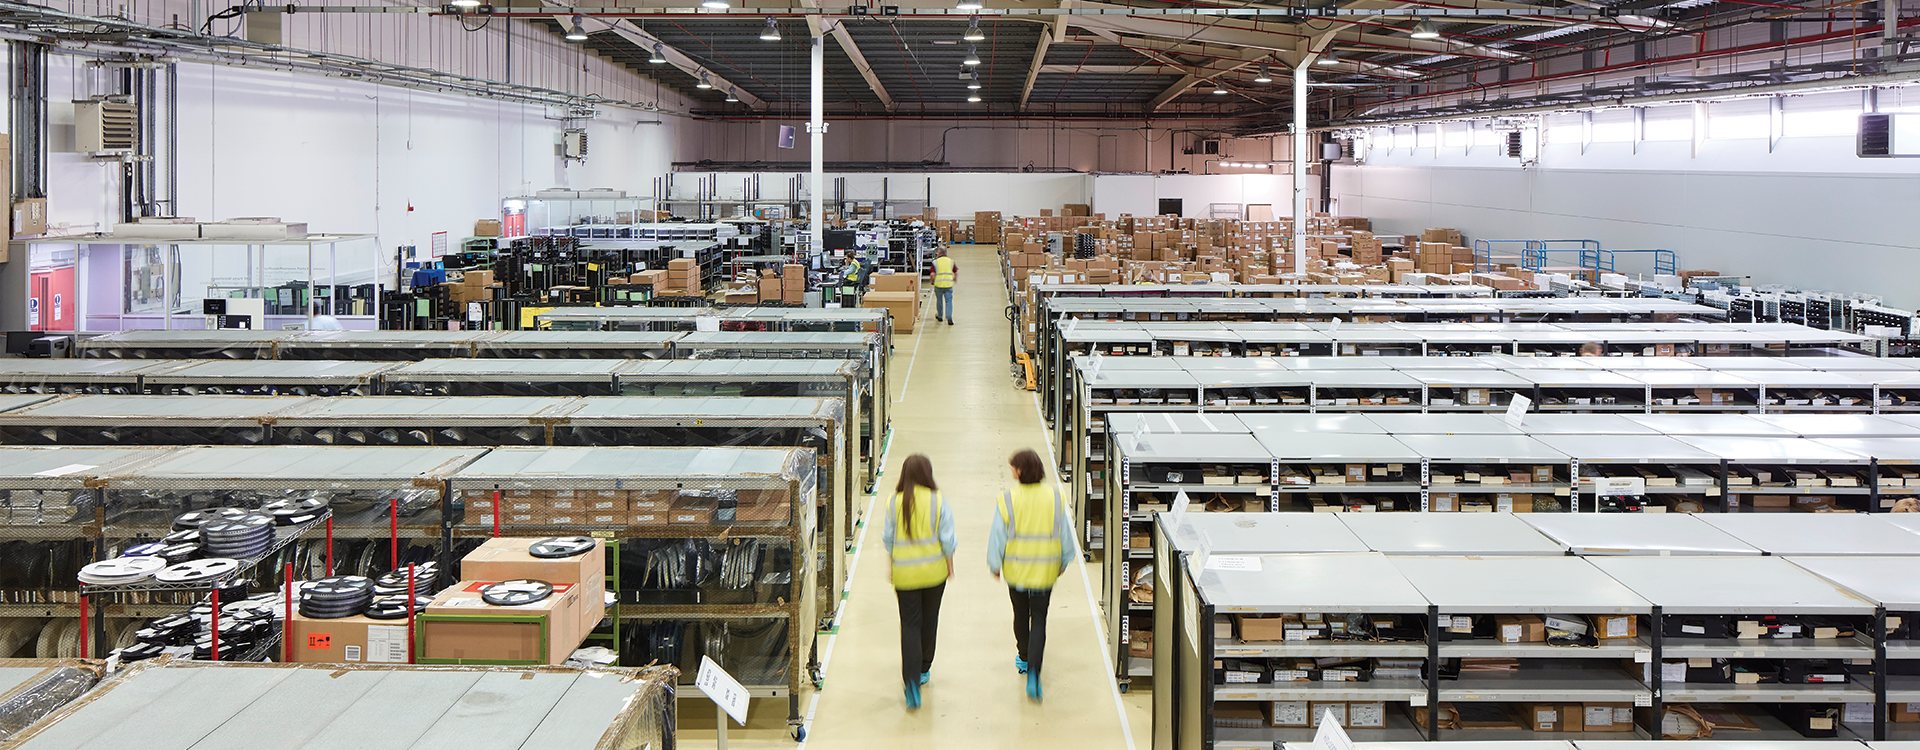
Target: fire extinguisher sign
[[33, 311]]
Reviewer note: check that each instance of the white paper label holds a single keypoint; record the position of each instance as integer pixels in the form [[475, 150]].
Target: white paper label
[[1517, 409], [1693, 630], [1616, 627], [1673, 672], [1643, 700], [1234, 562], [387, 644], [353, 653], [722, 689]]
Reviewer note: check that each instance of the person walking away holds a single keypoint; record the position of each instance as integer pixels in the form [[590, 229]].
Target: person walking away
[[944, 272], [1030, 547], [920, 542]]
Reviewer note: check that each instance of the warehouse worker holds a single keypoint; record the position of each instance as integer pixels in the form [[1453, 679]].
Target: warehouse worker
[[920, 542], [852, 278], [1592, 349], [1032, 543], [944, 272]]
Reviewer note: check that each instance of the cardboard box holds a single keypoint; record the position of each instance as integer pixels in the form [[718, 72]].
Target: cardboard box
[[487, 228], [1320, 709], [903, 306], [1367, 715], [1606, 717], [1260, 629], [894, 282], [507, 558], [1607, 627], [1549, 717], [348, 640], [1520, 629], [1904, 713], [1289, 713], [482, 641], [30, 217]]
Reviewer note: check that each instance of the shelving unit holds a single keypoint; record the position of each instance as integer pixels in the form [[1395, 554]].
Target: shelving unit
[[1656, 534], [1819, 535], [425, 420], [504, 377], [769, 574], [1090, 495], [1336, 472], [1496, 535], [1896, 599], [577, 345], [71, 376], [1668, 474], [151, 344], [868, 349], [263, 378], [1768, 474], [381, 346], [148, 420]]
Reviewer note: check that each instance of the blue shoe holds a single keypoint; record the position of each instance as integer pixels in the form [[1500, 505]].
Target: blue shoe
[[1033, 686], [913, 696], [926, 677], [1020, 664]]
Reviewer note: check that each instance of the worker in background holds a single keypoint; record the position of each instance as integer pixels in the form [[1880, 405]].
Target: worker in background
[[1031, 544], [920, 542], [1592, 349], [853, 278], [944, 272]]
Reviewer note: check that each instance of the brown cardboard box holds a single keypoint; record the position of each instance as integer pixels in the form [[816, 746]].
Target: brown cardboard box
[[348, 640], [482, 642], [1320, 709], [1607, 717], [1615, 626], [1904, 713], [769, 289], [1548, 717], [507, 558], [487, 228], [30, 217], [904, 307], [1289, 713], [1261, 629], [1521, 629], [894, 282]]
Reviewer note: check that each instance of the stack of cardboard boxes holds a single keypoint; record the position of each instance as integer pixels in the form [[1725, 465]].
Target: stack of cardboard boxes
[[474, 286], [899, 293], [625, 508], [986, 227], [683, 279]]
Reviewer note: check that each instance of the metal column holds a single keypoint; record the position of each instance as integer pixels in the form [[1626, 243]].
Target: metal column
[[817, 129], [1299, 139]]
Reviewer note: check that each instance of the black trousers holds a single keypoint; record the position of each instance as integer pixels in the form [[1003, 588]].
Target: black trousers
[[919, 629], [1030, 625]]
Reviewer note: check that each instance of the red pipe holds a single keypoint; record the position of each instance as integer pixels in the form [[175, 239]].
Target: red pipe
[[286, 620], [216, 622], [84, 626]]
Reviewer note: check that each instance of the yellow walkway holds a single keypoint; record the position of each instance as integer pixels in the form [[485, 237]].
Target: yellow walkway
[[955, 402]]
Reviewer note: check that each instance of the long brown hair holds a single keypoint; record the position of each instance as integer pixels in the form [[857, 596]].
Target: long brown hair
[[916, 471]]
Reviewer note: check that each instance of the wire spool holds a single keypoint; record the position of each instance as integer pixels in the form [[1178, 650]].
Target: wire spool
[[291, 512], [18, 632], [70, 640], [144, 549], [195, 519], [561, 547], [395, 607], [393, 583], [516, 593], [339, 596], [121, 570], [129, 634], [198, 570]]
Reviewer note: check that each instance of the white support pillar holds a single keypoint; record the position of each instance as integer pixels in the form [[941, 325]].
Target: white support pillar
[[1300, 164], [816, 132]]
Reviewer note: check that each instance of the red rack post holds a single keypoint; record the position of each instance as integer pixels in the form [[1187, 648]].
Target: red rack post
[[410, 599], [329, 546], [286, 620], [216, 623], [393, 554], [84, 627], [496, 511]]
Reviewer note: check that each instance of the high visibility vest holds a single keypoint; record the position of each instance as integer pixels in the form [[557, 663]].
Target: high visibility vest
[[1033, 551], [942, 272], [853, 271], [918, 560]]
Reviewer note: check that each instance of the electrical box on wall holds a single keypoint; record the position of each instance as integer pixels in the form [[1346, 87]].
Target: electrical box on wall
[[573, 145], [1889, 136], [101, 126]]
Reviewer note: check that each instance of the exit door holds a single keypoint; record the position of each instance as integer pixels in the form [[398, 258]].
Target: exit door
[[1171, 207], [50, 305]]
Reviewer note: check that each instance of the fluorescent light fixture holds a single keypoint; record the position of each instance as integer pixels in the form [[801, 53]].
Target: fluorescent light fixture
[[970, 5], [704, 83], [576, 33], [659, 54], [772, 32], [1264, 77], [1331, 58], [973, 56], [1425, 30], [714, 4], [974, 34], [1219, 88], [733, 95], [466, 3], [973, 97], [973, 82]]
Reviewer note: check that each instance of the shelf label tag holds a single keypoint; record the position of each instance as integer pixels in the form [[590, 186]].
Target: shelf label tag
[[722, 689], [1330, 736], [1245, 563], [1517, 409], [1643, 701]]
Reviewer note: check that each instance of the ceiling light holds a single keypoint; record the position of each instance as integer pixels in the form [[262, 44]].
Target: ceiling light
[[466, 3], [973, 83], [973, 56], [576, 33], [1425, 30], [973, 97], [714, 4], [1263, 77], [970, 5], [703, 84], [973, 31], [1331, 58], [1219, 88], [733, 95], [659, 54], [772, 32]]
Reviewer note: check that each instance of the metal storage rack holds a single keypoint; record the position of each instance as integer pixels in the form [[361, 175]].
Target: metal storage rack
[[624, 318], [1840, 425], [761, 588], [1819, 535], [149, 344], [577, 345], [1801, 473], [1687, 590], [1508, 473], [381, 346], [1585, 391], [505, 377], [415, 421], [1789, 391], [1895, 392], [843, 379], [15, 402], [1567, 586], [1090, 494], [264, 378], [1699, 390], [1655, 534], [1497, 535], [1894, 460], [1367, 390], [1462, 389], [1137, 468], [71, 376], [1896, 601], [868, 349], [1676, 476], [1249, 384], [1082, 442], [816, 424], [1188, 643], [148, 420], [1335, 472], [51, 527]]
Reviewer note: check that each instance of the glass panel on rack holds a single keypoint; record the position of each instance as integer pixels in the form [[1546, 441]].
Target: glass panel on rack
[[144, 269]]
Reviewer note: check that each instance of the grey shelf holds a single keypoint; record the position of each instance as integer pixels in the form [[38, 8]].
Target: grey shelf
[[1614, 648], [1596, 683], [1376, 690], [1362, 582], [1730, 586], [1320, 648], [1775, 693], [1658, 534], [1496, 534], [1819, 534], [1518, 585], [1265, 533], [1782, 648], [1870, 578]]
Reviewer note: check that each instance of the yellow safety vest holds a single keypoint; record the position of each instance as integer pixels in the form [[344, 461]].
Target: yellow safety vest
[[1033, 549], [853, 272], [918, 560], [942, 272]]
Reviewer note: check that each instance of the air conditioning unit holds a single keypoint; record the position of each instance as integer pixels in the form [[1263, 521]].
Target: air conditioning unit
[[1884, 136], [1514, 144], [573, 144], [102, 126], [1210, 148]]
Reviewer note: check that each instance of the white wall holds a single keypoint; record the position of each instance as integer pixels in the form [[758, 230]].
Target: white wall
[[1797, 209]]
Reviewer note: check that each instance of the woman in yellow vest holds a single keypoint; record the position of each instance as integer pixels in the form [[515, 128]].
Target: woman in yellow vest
[[920, 542], [1031, 544], [944, 272]]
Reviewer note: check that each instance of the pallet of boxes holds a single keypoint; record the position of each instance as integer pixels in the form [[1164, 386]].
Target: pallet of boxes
[[683, 279], [522, 601], [986, 227], [899, 293]]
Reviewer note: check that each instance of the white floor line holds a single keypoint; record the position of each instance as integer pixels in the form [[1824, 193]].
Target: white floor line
[[917, 337], [826, 652], [1093, 606]]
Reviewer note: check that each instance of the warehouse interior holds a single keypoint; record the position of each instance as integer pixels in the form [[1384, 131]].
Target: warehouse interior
[[1504, 374]]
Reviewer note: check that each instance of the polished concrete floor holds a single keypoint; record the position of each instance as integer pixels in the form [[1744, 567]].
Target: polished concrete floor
[[955, 402]]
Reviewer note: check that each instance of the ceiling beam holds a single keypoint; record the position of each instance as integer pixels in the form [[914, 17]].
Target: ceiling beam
[[1033, 70], [675, 57], [1173, 92], [845, 40]]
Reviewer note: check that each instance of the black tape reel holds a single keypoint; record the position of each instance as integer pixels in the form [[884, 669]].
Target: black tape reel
[[516, 593], [562, 546]]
